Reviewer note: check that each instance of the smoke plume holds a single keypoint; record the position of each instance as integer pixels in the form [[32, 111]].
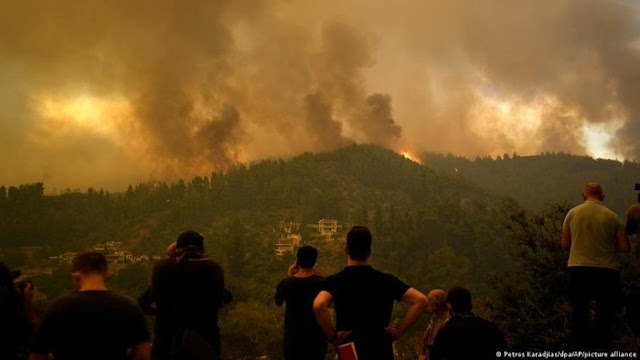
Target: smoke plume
[[107, 93]]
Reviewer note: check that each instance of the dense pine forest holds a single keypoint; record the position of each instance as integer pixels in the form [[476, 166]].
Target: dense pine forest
[[492, 225]]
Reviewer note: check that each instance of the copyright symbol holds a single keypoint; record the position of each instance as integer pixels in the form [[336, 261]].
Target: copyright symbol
[[498, 354]]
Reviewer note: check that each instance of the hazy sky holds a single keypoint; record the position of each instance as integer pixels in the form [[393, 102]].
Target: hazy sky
[[108, 93]]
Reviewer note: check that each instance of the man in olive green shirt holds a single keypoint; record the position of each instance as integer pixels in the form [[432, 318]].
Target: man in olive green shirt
[[593, 234]]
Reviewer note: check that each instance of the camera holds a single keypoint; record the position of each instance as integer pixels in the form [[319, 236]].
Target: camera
[[21, 285]]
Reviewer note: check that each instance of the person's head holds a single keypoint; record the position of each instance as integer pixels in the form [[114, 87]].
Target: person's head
[[307, 256], [437, 300], [459, 300], [88, 265], [190, 239], [359, 243], [592, 191], [171, 250]]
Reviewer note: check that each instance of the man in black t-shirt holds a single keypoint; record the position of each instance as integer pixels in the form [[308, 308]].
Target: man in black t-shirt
[[466, 336], [303, 338], [188, 294], [363, 298], [93, 322]]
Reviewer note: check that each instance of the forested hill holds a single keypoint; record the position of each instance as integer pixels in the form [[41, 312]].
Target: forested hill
[[353, 185], [410, 208], [549, 178]]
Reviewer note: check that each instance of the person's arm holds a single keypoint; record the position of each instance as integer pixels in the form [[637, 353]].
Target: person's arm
[[321, 310], [141, 351], [145, 300], [566, 239], [323, 317], [622, 242], [293, 269], [417, 303]]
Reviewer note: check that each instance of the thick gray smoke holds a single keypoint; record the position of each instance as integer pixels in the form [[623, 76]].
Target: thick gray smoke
[[106, 93], [324, 131]]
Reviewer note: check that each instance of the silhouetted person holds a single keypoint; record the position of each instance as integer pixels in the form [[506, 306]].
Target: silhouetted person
[[145, 300], [303, 338], [439, 316], [593, 234], [632, 228], [633, 219], [188, 294], [465, 335], [363, 299], [92, 322], [17, 318]]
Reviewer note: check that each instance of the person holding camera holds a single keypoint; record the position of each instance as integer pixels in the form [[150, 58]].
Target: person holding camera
[[189, 293], [17, 318], [303, 338]]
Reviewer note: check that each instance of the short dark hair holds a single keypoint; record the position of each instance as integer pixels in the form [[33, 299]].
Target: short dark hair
[[460, 299], [359, 242], [307, 256], [90, 263], [190, 238]]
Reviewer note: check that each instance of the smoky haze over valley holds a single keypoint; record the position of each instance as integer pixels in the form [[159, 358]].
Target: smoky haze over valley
[[107, 93]]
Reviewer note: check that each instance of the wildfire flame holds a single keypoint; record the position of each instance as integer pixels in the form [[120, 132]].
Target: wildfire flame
[[408, 155]]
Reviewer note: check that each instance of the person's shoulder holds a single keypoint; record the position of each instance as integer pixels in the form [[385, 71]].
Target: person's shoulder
[[317, 278], [387, 276], [112, 298], [464, 321], [314, 280], [63, 302], [448, 328], [120, 297], [609, 212], [207, 262], [285, 281], [79, 299], [577, 208], [165, 264], [634, 209], [339, 274], [481, 324]]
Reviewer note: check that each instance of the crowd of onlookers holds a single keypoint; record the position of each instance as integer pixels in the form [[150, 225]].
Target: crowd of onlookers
[[187, 291]]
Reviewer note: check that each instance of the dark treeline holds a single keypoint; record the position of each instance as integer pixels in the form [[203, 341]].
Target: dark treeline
[[535, 181], [431, 228]]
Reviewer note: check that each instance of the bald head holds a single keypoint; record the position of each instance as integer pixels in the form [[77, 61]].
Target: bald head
[[437, 300], [592, 190]]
